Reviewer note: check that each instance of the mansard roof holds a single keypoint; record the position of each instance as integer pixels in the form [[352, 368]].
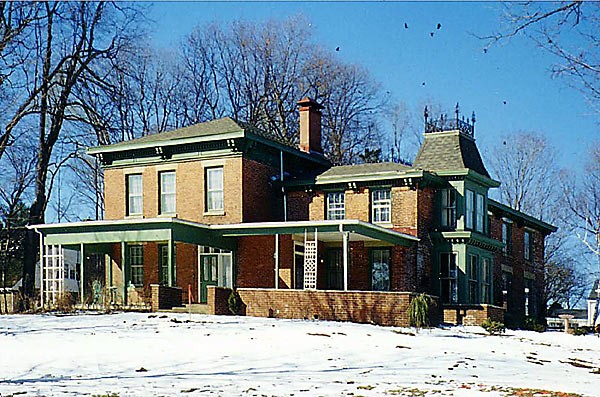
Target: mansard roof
[[449, 150]]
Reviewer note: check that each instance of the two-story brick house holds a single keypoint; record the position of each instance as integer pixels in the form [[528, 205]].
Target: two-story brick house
[[222, 204]]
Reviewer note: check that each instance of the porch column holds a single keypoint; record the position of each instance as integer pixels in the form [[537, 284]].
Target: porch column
[[170, 260], [42, 275], [276, 256], [81, 272], [345, 238], [124, 271]]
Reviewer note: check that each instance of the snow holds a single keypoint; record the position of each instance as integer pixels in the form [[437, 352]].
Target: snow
[[141, 354]]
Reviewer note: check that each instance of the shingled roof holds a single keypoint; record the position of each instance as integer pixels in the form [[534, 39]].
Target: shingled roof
[[363, 169], [449, 150]]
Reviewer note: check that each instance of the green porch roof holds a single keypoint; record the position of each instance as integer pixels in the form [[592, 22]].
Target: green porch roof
[[221, 236]]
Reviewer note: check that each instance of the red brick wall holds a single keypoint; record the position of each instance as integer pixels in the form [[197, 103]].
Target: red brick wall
[[256, 265], [216, 299], [187, 270], [164, 297], [259, 203], [472, 314], [359, 271], [298, 203], [383, 308]]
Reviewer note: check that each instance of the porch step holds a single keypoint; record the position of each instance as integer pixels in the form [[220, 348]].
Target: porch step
[[195, 308]]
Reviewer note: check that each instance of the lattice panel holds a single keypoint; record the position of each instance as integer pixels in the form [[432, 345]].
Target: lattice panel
[[53, 273], [310, 265]]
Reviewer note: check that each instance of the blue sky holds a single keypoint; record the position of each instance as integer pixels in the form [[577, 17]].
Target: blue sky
[[452, 63]]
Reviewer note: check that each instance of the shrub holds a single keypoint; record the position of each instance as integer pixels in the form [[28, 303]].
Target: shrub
[[418, 311], [531, 324], [493, 327], [234, 302], [582, 330]]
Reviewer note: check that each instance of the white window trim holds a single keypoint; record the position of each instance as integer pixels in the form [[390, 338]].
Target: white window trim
[[480, 213], [380, 204], [162, 193], [214, 211], [341, 206], [136, 266], [128, 212], [469, 208]]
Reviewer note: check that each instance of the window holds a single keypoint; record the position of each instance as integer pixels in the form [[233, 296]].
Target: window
[[336, 208], [486, 275], [449, 208], [167, 192], [507, 237], [480, 214], [469, 209], [448, 273], [136, 263], [506, 287], [214, 189], [381, 203], [473, 279], [380, 269], [528, 245], [134, 194], [163, 258]]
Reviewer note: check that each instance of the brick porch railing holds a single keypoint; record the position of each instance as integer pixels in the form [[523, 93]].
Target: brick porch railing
[[164, 297]]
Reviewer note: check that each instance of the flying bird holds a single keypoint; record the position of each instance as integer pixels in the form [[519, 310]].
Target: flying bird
[[405, 25], [337, 48], [504, 102], [431, 34], [423, 83], [439, 26]]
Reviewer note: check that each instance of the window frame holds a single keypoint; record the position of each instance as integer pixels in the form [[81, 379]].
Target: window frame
[[507, 237], [380, 205], [473, 273], [163, 264], [130, 195], [486, 280], [469, 209], [448, 208], [163, 194], [335, 210], [373, 253], [136, 270], [480, 213], [209, 190], [451, 278], [528, 245]]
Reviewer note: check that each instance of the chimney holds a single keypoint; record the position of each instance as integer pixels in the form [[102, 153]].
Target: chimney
[[310, 126]]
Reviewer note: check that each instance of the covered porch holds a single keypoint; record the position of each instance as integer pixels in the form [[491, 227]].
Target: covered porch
[[126, 262]]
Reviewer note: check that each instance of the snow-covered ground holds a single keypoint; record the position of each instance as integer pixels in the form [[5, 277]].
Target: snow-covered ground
[[163, 355]]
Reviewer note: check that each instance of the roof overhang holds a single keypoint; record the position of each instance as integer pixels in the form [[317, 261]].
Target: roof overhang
[[468, 173], [221, 236], [528, 220], [468, 237]]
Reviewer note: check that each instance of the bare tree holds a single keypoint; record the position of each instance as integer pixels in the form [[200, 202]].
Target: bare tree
[[568, 30]]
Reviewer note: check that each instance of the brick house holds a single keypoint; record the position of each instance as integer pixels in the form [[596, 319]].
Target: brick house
[[195, 212]]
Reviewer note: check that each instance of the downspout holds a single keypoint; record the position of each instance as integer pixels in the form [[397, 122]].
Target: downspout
[[41, 267], [276, 255]]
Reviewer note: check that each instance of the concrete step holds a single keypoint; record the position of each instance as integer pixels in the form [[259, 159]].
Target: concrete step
[[196, 308]]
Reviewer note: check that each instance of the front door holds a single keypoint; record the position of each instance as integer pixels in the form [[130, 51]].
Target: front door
[[208, 274], [335, 269]]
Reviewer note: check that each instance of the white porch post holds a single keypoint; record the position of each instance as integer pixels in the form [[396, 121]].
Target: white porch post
[[170, 260], [42, 275], [345, 237], [124, 269], [81, 273], [276, 255]]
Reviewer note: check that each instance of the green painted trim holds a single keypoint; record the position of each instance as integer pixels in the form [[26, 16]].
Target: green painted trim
[[468, 173], [289, 149], [176, 158], [163, 143], [469, 237], [504, 210]]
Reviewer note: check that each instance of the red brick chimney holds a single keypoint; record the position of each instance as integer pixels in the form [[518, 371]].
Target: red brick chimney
[[310, 126]]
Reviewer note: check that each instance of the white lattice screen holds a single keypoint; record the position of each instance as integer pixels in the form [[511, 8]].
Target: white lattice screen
[[310, 262], [53, 273]]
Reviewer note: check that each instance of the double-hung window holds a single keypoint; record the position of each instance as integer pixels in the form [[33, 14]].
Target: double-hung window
[[473, 279], [163, 261], [134, 194], [506, 237], [469, 209], [486, 275], [136, 263], [167, 192], [448, 208], [336, 207], [214, 189], [528, 245], [448, 275], [480, 214], [381, 204], [380, 269]]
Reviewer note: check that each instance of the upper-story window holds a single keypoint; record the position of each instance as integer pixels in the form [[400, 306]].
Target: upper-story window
[[134, 194], [167, 192], [507, 237], [480, 214], [381, 204], [336, 207], [449, 208], [528, 245], [214, 189], [469, 209]]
